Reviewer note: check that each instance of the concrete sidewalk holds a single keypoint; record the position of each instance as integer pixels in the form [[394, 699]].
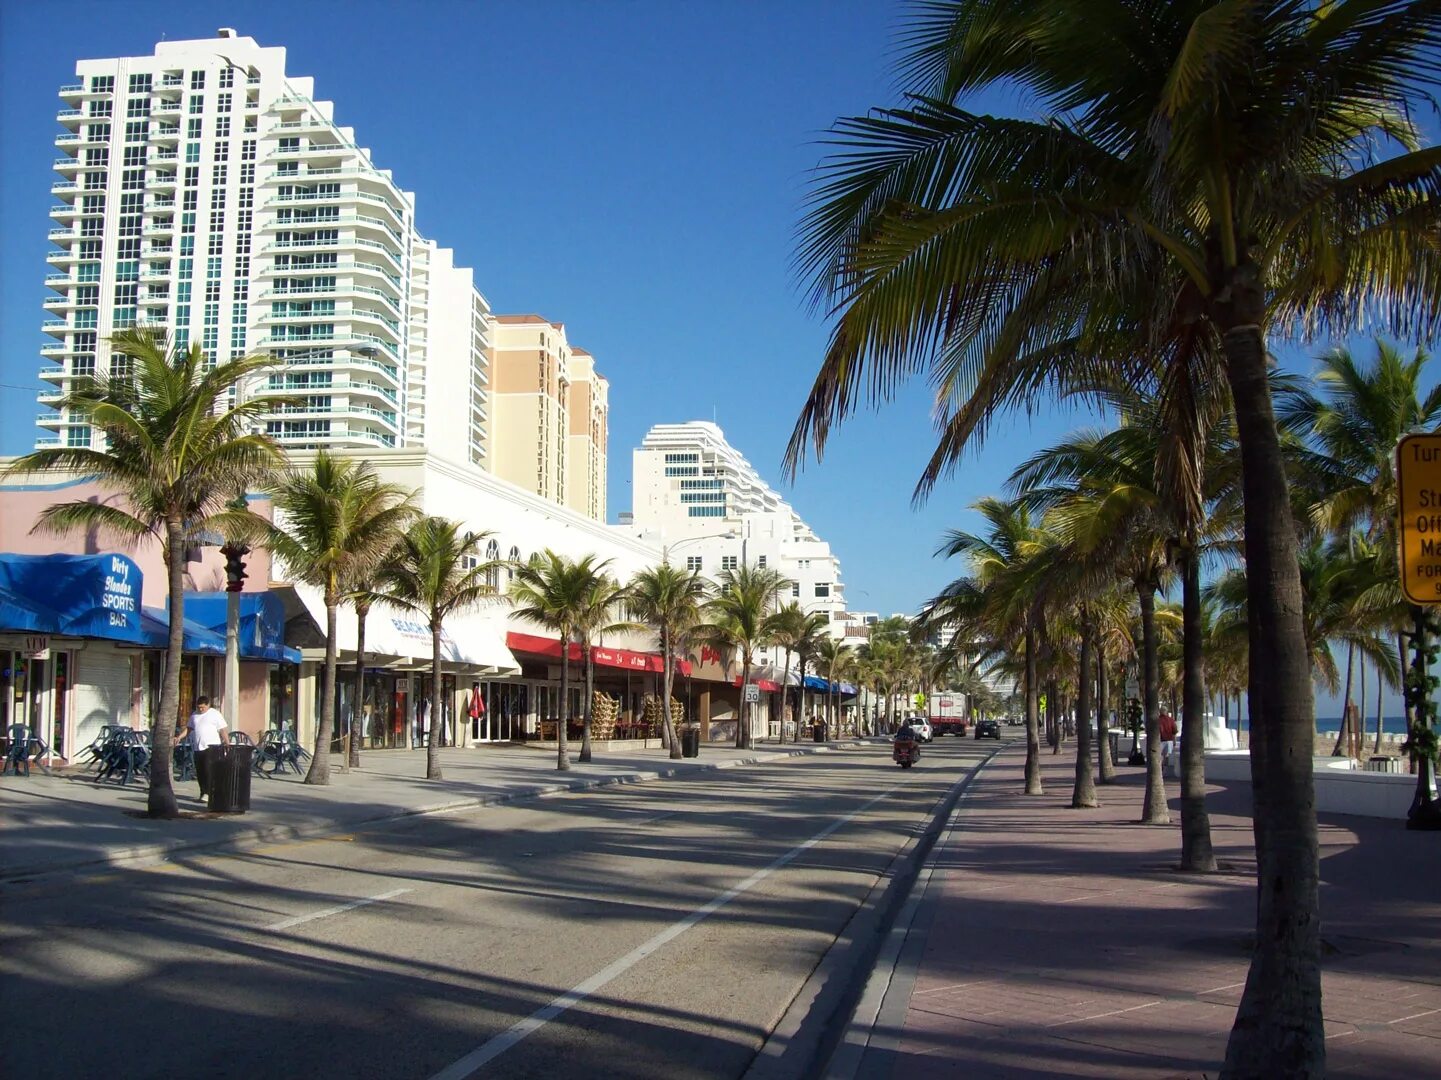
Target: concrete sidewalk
[[1048, 942], [65, 821]]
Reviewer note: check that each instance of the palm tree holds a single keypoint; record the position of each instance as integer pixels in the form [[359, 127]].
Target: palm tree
[[335, 524], [740, 616], [1246, 157], [595, 618], [670, 601], [553, 591], [799, 634], [363, 596], [176, 450], [437, 572], [1000, 599]]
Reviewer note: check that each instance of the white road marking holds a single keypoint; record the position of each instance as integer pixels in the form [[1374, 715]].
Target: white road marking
[[498, 1045], [286, 924]]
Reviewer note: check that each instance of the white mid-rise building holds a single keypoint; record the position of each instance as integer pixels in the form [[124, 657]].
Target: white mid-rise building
[[206, 192], [710, 509]]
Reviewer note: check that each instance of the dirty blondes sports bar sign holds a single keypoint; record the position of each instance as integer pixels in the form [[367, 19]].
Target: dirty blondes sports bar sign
[[1418, 497]]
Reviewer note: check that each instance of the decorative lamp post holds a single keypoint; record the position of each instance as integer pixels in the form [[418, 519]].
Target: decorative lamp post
[[1421, 741], [234, 552]]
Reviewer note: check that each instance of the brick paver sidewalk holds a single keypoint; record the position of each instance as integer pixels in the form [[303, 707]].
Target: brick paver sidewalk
[[1056, 942]]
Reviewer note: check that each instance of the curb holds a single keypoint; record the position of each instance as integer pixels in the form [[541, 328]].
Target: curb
[[269, 834], [802, 1044]]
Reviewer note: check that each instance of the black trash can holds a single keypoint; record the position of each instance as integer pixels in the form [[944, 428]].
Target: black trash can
[[820, 733], [1115, 737], [229, 779], [690, 742]]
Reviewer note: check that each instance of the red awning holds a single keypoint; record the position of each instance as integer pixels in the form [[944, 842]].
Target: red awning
[[766, 685], [603, 655]]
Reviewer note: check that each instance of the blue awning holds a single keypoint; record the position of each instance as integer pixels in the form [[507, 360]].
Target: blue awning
[[815, 682], [195, 638], [83, 596], [262, 623]]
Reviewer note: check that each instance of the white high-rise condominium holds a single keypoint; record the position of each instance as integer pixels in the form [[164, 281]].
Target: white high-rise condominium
[[712, 511], [205, 192]]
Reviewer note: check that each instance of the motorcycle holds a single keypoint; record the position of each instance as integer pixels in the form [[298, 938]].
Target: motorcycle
[[906, 752]]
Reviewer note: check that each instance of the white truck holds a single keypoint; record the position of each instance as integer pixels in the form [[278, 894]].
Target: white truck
[[948, 713]]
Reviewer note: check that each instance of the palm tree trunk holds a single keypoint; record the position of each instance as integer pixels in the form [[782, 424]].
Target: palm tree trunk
[[1084, 794], [319, 771], [1343, 733], [743, 732], [1379, 721], [562, 748], [1196, 850], [667, 678], [160, 801], [586, 705], [785, 691], [1053, 716], [437, 699], [1278, 1028], [1033, 718], [1103, 711], [1154, 811], [357, 719]]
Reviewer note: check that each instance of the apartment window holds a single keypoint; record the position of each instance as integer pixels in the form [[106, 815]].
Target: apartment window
[[187, 224], [127, 249], [92, 227], [88, 272], [134, 155], [795, 588], [197, 104], [682, 459], [97, 156], [140, 84], [682, 470], [84, 320], [192, 153], [137, 130], [823, 590], [222, 127], [102, 84], [728, 562], [222, 151], [223, 102], [139, 106], [97, 132], [192, 177], [92, 204], [132, 180], [761, 562], [215, 245], [124, 317], [189, 200], [87, 295], [247, 174], [227, 78], [693, 562], [187, 245], [247, 150], [129, 226], [804, 564], [127, 294], [102, 107], [90, 249], [197, 80], [217, 175], [79, 435]]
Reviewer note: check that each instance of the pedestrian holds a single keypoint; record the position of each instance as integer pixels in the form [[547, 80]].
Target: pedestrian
[[207, 730], [1168, 737]]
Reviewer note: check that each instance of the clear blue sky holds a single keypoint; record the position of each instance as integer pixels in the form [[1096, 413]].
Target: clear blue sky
[[634, 170]]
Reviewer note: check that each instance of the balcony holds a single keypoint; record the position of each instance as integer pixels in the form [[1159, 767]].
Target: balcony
[[163, 227], [49, 418], [164, 155], [65, 115], [55, 301], [161, 180], [57, 279], [72, 90], [159, 204], [65, 187], [55, 348], [55, 326], [63, 235], [68, 140], [151, 273], [65, 255], [162, 107], [165, 133], [66, 164]]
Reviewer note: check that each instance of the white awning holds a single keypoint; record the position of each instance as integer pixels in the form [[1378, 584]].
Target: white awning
[[399, 638]]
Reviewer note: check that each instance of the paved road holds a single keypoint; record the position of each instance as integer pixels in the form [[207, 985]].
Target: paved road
[[657, 930]]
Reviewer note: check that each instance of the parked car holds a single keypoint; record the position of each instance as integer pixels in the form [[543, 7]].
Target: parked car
[[988, 729]]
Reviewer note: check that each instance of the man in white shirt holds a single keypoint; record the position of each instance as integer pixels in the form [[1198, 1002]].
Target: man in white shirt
[[207, 729]]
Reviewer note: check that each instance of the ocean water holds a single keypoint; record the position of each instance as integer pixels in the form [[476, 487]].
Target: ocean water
[[1390, 725]]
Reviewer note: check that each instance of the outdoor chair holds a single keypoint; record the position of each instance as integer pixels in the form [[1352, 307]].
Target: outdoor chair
[[17, 756]]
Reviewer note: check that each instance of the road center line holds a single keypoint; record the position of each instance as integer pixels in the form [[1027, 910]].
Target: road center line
[[286, 924], [489, 1051]]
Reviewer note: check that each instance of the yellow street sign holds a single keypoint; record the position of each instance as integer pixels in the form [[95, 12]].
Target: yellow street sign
[[1418, 495]]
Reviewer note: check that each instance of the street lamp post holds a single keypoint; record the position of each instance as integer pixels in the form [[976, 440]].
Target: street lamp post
[[234, 552]]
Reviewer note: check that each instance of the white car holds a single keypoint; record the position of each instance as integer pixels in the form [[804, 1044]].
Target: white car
[[922, 727]]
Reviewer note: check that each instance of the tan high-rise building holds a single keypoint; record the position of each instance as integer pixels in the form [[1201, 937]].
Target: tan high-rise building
[[588, 406], [549, 414]]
